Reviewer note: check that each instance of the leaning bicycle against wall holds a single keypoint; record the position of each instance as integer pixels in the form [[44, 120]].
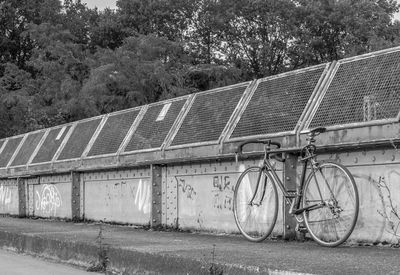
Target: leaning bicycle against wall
[[326, 200]]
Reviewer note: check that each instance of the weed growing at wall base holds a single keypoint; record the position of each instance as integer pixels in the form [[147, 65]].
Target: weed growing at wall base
[[214, 269], [390, 212], [102, 263]]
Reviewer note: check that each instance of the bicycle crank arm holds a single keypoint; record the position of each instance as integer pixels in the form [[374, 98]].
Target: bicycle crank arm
[[310, 207]]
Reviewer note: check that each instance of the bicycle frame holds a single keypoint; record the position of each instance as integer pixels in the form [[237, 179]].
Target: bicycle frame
[[293, 199], [317, 189]]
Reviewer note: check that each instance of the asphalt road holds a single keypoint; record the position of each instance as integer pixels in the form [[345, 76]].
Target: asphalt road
[[17, 264]]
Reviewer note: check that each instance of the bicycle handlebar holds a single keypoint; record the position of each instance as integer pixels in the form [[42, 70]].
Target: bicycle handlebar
[[277, 156]]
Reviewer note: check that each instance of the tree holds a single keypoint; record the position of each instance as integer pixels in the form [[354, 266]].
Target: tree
[[257, 35], [203, 37], [15, 100], [61, 61], [107, 31], [330, 30], [60, 65], [15, 15], [78, 19], [144, 69], [163, 18]]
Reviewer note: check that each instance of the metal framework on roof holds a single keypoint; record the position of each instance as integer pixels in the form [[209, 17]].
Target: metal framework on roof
[[361, 93]]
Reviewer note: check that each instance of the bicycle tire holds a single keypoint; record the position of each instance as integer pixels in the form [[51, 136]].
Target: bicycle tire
[[331, 224], [255, 222]]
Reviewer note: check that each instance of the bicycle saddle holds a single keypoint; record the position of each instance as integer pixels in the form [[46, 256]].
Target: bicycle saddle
[[317, 130]]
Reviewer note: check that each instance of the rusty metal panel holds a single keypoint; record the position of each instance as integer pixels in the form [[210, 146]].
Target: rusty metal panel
[[208, 115], [79, 139], [113, 133], [30, 199], [290, 183], [52, 142], [9, 150], [32, 180], [76, 196], [9, 197], [156, 195], [122, 196], [22, 195], [164, 195], [82, 196], [30, 196], [203, 195], [171, 200], [278, 103], [56, 178], [155, 125], [368, 136], [362, 89], [27, 149]]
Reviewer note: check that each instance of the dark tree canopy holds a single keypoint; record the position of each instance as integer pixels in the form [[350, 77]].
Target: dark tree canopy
[[61, 61]]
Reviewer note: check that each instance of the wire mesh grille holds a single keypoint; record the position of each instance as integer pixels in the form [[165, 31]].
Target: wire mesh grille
[[362, 90], [155, 126], [277, 104], [9, 150], [79, 139], [51, 144], [27, 148], [208, 116], [113, 133]]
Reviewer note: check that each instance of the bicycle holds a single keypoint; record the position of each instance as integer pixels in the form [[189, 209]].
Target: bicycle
[[326, 200]]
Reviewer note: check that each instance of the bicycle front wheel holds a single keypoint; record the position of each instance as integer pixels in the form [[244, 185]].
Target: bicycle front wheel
[[332, 194], [255, 204]]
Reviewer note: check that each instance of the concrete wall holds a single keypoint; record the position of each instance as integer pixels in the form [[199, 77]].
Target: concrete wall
[[200, 195], [372, 171], [9, 197], [122, 196], [51, 197], [204, 192]]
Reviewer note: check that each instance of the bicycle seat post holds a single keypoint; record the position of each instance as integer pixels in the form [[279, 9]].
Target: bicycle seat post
[[266, 149], [311, 138]]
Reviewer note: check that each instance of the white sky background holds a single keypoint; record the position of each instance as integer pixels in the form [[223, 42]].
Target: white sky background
[[102, 4]]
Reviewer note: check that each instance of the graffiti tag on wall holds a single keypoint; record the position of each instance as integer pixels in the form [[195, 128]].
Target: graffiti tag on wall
[[186, 188], [5, 195], [223, 192], [49, 200], [142, 197]]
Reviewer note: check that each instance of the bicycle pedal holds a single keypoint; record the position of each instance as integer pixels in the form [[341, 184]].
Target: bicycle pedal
[[301, 228]]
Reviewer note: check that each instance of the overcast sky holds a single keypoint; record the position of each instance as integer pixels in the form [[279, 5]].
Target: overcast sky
[[102, 4]]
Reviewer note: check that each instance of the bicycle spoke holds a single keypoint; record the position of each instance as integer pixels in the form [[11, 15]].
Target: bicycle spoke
[[331, 224], [255, 204]]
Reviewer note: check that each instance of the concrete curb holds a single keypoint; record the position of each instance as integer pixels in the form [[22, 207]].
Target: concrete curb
[[120, 261], [131, 250]]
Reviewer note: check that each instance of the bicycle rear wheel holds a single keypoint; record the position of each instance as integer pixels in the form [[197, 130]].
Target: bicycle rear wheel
[[332, 187], [255, 204]]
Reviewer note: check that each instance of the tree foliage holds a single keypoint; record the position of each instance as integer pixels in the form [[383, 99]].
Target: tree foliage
[[61, 61]]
